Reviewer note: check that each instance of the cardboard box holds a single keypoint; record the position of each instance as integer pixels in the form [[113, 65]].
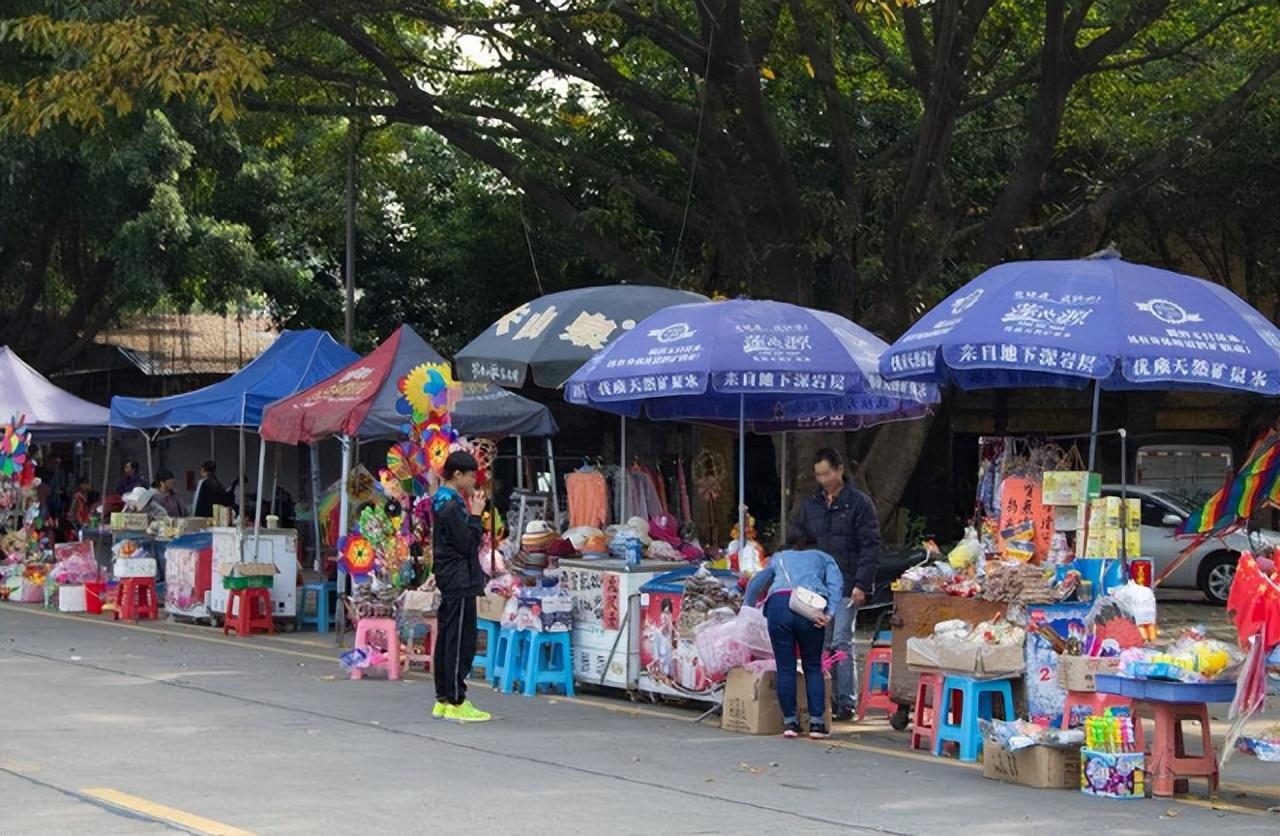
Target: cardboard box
[[134, 567], [751, 703], [490, 607], [1001, 659], [1112, 774], [130, 522], [1077, 673], [1070, 517], [1069, 487], [958, 657], [244, 569], [1043, 767]]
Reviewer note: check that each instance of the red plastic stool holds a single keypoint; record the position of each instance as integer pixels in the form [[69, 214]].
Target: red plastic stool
[[1098, 703], [1169, 767], [136, 600], [928, 695], [386, 651], [253, 612], [877, 657]]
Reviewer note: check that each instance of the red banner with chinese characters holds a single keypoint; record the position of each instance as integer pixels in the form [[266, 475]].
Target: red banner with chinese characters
[[1020, 502]]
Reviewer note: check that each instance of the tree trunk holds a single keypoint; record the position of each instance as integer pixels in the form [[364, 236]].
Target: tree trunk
[[891, 461]]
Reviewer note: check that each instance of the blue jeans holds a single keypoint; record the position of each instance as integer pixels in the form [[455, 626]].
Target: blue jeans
[[840, 637], [787, 631]]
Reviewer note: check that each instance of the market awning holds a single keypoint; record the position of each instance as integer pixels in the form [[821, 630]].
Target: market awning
[[52, 414], [360, 400], [296, 360]]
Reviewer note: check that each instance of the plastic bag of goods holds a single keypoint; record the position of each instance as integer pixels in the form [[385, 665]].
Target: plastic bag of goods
[[726, 641], [967, 551]]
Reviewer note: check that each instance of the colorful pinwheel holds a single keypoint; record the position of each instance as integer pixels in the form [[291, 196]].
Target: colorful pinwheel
[[13, 448], [358, 557]]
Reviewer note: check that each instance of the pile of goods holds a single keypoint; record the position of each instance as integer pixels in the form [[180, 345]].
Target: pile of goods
[[1011, 581], [991, 648], [703, 593], [1192, 658], [1015, 735]]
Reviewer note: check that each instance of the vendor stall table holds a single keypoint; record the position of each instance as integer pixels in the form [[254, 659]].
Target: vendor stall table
[[1168, 704], [278, 546], [606, 618]]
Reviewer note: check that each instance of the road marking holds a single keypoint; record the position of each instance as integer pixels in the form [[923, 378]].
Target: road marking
[[159, 811], [632, 710]]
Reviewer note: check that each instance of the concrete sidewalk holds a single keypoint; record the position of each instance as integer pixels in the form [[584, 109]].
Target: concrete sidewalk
[[128, 729]]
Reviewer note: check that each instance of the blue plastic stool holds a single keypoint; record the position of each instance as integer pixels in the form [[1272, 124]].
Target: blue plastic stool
[[489, 661], [550, 662], [878, 675], [511, 658], [321, 590], [959, 723]]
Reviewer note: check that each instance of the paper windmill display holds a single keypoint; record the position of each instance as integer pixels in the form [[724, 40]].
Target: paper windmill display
[[358, 557], [439, 442], [407, 462], [13, 448], [426, 392]]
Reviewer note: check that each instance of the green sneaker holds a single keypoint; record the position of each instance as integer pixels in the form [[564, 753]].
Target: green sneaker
[[440, 710], [467, 713]]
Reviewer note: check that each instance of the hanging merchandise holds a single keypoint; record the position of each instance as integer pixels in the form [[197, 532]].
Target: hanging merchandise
[[358, 558]]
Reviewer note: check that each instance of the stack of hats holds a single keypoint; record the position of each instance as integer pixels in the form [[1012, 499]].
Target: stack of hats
[[537, 539], [597, 545]]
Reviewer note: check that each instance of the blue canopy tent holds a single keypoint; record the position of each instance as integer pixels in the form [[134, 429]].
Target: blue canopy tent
[[295, 361]]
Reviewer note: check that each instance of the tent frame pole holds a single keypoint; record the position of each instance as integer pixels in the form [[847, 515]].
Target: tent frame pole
[[314, 451], [344, 512], [257, 500]]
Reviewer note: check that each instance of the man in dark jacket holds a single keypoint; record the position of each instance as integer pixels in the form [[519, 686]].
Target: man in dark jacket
[[455, 546], [209, 491], [842, 521]]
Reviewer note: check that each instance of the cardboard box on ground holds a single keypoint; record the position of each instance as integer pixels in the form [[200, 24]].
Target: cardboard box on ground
[[490, 607], [751, 703], [1077, 673], [1043, 767]]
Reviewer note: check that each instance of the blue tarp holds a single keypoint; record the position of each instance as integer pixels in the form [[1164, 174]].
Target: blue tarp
[[295, 361]]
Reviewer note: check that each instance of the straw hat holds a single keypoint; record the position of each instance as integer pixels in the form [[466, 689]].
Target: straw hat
[[538, 535]]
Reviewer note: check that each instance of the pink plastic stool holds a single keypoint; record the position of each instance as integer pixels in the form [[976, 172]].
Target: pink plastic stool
[[386, 653], [877, 675], [1169, 766], [428, 645], [928, 695]]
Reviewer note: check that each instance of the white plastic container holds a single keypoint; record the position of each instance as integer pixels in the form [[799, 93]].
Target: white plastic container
[[71, 599]]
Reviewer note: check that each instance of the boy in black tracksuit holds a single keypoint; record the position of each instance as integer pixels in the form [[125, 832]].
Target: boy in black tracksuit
[[455, 545]]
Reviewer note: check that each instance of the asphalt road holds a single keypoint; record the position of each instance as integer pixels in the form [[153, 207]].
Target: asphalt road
[[120, 729]]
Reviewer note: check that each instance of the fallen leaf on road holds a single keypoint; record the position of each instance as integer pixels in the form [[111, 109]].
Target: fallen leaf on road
[[746, 767]]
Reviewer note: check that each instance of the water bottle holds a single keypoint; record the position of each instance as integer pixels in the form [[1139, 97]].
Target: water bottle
[[635, 551]]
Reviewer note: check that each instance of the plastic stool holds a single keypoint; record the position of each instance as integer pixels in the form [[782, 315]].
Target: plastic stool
[[550, 662], [488, 662], [875, 683], [385, 655], [428, 642], [928, 698], [1098, 703], [964, 701], [511, 658], [1169, 767], [252, 614], [321, 590], [136, 600]]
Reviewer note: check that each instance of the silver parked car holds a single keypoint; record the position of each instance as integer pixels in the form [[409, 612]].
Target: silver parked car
[[1211, 567]]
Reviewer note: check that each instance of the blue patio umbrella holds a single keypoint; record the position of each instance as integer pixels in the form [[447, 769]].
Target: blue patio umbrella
[[769, 363], [1098, 320]]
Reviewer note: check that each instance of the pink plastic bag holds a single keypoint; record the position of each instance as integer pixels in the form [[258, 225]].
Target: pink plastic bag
[[732, 641]]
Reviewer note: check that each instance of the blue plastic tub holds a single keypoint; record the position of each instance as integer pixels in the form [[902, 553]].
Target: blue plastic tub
[[1154, 690]]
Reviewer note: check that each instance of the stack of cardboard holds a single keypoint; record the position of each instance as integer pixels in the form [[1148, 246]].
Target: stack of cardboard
[[1113, 522], [1069, 491]]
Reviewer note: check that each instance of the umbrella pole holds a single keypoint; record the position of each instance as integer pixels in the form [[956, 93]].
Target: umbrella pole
[[742, 474], [622, 462], [257, 500], [520, 462], [555, 491], [106, 473], [151, 473], [1093, 426], [782, 495], [344, 510], [315, 505]]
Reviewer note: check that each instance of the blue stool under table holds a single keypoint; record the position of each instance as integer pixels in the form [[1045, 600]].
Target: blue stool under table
[[321, 590], [550, 662], [511, 658], [964, 700], [489, 661]]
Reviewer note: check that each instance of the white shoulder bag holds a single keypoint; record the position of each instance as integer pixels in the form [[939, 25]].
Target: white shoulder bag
[[805, 601]]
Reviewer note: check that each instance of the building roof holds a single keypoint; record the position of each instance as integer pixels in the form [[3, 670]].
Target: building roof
[[187, 344]]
